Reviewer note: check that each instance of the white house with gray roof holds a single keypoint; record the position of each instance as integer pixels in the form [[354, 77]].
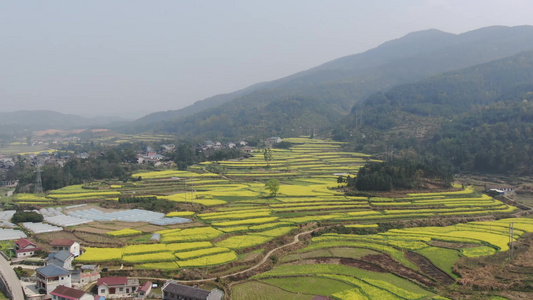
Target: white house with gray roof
[[61, 259], [50, 277], [173, 290]]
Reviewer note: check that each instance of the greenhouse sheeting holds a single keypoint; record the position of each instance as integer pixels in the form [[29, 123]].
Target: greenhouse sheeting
[[6, 215], [11, 234], [130, 215], [64, 221], [41, 227]]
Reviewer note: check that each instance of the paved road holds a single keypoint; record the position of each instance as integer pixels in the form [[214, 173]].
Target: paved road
[[11, 279]]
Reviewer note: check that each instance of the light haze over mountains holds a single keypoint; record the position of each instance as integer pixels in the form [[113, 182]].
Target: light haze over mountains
[[130, 58]]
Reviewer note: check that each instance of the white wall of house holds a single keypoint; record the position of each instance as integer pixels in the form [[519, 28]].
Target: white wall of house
[[75, 249], [25, 254], [51, 283], [120, 291]]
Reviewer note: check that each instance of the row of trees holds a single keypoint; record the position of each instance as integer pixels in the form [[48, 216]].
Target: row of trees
[[399, 174], [103, 163], [108, 164]]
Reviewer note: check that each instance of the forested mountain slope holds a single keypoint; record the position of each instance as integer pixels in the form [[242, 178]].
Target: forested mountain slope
[[478, 119], [319, 96]]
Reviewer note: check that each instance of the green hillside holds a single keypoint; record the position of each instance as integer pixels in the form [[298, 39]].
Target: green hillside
[[478, 119], [316, 97]]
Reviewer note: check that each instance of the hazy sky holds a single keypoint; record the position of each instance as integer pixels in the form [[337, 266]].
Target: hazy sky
[[130, 58]]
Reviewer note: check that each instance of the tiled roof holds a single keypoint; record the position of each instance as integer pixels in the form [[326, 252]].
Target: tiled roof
[[146, 286], [51, 271], [88, 267], [185, 291], [62, 255], [61, 242], [65, 292], [23, 243], [112, 281]]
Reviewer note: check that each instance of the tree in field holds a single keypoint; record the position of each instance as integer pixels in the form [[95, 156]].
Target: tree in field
[[272, 186], [341, 180], [267, 154]]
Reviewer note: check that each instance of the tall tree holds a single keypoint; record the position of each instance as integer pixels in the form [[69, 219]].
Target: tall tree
[[272, 186], [267, 154]]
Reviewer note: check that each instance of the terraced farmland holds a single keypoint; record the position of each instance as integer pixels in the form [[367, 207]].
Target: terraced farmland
[[237, 222]]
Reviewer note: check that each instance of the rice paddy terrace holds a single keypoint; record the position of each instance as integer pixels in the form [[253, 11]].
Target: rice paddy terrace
[[235, 223]]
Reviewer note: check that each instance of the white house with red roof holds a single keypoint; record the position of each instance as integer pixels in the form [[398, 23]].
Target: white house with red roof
[[25, 248], [117, 287], [66, 293], [144, 290], [69, 245]]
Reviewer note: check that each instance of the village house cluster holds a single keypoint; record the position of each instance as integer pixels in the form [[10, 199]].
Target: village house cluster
[[61, 279]]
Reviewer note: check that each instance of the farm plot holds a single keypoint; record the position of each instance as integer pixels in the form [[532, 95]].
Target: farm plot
[[194, 254], [172, 173], [373, 284], [486, 238], [237, 214]]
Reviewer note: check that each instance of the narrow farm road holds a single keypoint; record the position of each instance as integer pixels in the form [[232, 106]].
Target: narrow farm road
[[10, 279], [267, 256]]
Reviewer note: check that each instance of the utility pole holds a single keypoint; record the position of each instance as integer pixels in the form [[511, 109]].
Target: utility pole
[[511, 240], [38, 189]]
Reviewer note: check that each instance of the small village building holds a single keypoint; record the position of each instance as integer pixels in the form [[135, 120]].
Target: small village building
[[168, 147], [248, 149], [145, 290], [66, 293], [83, 155], [25, 248], [84, 277], [209, 144], [173, 290], [157, 157], [273, 140], [117, 287], [50, 277], [61, 259], [69, 245]]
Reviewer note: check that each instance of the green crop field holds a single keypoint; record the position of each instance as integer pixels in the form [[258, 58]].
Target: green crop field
[[234, 216]]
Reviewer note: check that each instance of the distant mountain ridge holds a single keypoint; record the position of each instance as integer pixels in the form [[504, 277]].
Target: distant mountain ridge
[[449, 95], [46, 119], [334, 87]]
